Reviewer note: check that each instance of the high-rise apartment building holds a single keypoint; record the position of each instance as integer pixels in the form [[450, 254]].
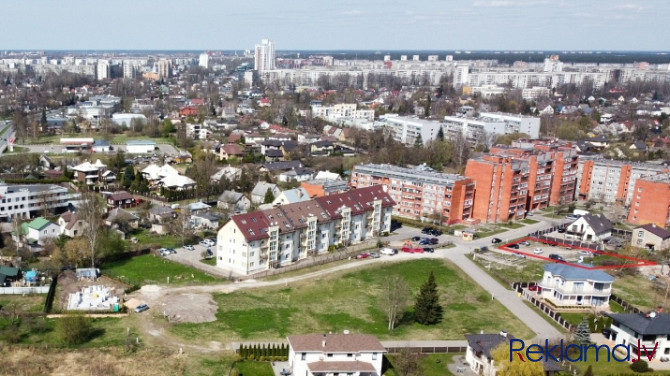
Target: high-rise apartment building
[[203, 60], [264, 56], [420, 193], [650, 200], [102, 70], [163, 67]]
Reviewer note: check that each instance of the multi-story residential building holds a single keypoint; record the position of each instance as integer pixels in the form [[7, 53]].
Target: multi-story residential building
[[264, 56], [324, 187], [203, 60], [650, 200], [611, 181], [264, 239], [335, 354], [420, 193], [566, 285], [502, 187], [102, 70], [343, 113], [26, 201], [491, 123], [407, 129]]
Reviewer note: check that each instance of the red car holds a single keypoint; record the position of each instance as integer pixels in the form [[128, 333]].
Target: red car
[[417, 250], [362, 255], [406, 249], [535, 288], [412, 250]]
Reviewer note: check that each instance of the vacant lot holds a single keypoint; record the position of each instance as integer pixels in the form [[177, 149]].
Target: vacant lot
[[351, 301], [150, 269]]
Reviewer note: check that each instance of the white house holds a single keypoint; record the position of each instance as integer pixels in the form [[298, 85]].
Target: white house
[[261, 188], [651, 237], [263, 239], [649, 329], [70, 225], [290, 196], [478, 353], [299, 174], [39, 231], [590, 228], [235, 201], [566, 285], [335, 354]]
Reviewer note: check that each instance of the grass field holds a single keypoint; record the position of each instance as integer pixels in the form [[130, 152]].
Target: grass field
[[150, 269], [254, 368], [148, 238], [351, 301], [512, 225], [639, 291], [23, 303], [430, 365], [529, 221]]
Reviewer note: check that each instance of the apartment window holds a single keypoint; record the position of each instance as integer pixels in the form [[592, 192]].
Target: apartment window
[[374, 356], [303, 356], [350, 355], [330, 355]]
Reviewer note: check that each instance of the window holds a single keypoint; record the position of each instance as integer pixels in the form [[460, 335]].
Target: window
[[640, 234], [303, 356], [330, 355], [350, 355], [374, 356]]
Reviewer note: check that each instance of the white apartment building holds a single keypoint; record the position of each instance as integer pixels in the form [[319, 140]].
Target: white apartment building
[[264, 239], [535, 92], [491, 123], [26, 201], [102, 70], [407, 129], [335, 354], [203, 60], [343, 114], [264, 56]]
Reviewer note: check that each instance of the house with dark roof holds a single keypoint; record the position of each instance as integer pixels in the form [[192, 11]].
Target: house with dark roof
[[593, 228], [9, 274], [567, 285], [297, 174], [651, 237], [280, 166], [70, 225], [120, 215], [205, 220], [478, 354], [263, 239], [335, 354], [120, 199], [650, 329], [162, 214], [234, 201]]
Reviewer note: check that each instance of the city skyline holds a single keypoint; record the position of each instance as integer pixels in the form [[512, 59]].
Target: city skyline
[[616, 25]]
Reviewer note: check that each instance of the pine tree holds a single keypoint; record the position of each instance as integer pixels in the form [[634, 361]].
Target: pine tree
[[440, 134], [583, 334], [589, 371], [418, 141], [427, 309], [269, 197]]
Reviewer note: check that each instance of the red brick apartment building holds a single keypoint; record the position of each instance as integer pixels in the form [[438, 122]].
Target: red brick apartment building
[[651, 201], [513, 180], [420, 193]]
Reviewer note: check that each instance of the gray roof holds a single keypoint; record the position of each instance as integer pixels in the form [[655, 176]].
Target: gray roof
[[641, 324], [656, 230], [598, 222], [484, 343], [230, 196], [212, 217], [161, 210], [283, 165], [573, 273], [262, 187]]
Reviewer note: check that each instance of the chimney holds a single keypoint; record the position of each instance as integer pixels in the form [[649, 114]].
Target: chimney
[[323, 342], [503, 333]]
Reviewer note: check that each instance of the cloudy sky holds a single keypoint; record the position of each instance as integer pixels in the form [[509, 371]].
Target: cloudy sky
[[336, 24]]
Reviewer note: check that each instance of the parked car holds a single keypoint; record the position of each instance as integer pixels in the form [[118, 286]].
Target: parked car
[[426, 230], [374, 255], [572, 217], [424, 241], [513, 246], [388, 251], [538, 251], [141, 308], [525, 243], [417, 250], [496, 240], [362, 255], [534, 287], [556, 257], [211, 242], [428, 249], [416, 238], [209, 252], [435, 232], [204, 243], [585, 253], [189, 247], [406, 249], [561, 230], [433, 241]]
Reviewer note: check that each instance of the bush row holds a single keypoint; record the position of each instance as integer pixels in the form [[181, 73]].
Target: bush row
[[264, 353]]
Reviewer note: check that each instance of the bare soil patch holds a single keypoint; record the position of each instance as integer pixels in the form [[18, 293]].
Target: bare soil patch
[[187, 307], [68, 284]]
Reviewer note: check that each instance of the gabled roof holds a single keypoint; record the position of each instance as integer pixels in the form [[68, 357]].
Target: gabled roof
[[340, 367], [598, 222], [70, 218], [641, 324], [9, 271], [295, 195], [232, 149], [161, 210], [120, 196], [121, 214], [484, 343], [656, 230], [281, 166], [38, 223], [230, 196], [262, 187], [335, 343], [198, 206], [571, 273], [274, 153]]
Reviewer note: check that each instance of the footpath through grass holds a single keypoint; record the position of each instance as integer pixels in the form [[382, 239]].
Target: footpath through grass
[[352, 301], [150, 269]]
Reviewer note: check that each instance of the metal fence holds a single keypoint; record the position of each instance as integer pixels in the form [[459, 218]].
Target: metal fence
[[24, 290], [429, 350]]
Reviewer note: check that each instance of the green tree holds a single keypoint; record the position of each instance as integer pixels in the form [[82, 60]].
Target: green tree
[[418, 142], [167, 128], [583, 334], [440, 134], [427, 308], [500, 357], [43, 120], [589, 371], [74, 329], [269, 197]]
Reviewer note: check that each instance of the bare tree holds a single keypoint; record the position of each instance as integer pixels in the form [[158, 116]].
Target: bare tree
[[394, 298], [407, 362], [461, 149], [91, 211], [181, 226], [19, 231]]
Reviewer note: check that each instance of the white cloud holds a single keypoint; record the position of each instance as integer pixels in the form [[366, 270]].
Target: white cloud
[[507, 3], [634, 7]]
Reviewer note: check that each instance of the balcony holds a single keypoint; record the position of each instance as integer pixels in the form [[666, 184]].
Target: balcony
[[585, 290]]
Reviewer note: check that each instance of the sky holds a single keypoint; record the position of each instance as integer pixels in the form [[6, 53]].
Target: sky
[[376, 25]]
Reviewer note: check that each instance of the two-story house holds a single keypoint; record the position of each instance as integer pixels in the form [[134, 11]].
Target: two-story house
[[335, 354], [566, 285], [234, 201], [650, 329], [120, 199], [39, 230], [651, 237], [590, 228], [71, 225]]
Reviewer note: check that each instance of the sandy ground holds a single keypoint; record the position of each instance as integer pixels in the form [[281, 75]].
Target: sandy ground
[[194, 307]]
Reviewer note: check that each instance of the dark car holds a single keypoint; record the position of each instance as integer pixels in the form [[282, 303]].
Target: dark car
[[496, 240], [426, 230], [141, 308], [433, 241], [561, 230], [424, 241], [513, 246], [435, 232], [556, 257], [416, 238], [428, 250]]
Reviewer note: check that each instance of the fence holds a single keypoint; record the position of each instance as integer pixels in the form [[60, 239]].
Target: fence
[[24, 290], [540, 235], [429, 349], [627, 306]]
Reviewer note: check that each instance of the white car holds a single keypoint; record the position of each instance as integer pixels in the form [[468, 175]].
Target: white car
[[538, 251], [189, 247], [388, 251], [204, 243]]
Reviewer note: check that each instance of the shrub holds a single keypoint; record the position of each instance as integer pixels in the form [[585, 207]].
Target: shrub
[[74, 329], [640, 366]]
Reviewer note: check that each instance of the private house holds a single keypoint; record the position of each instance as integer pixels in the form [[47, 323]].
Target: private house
[[228, 151], [592, 228], [285, 234], [39, 231], [478, 354], [570, 286], [233, 201], [298, 174], [205, 220], [651, 237], [119, 215], [121, 199], [261, 188], [229, 173], [161, 214], [93, 173], [70, 225], [649, 329], [198, 207], [291, 196], [167, 177], [275, 167], [321, 148], [335, 354]]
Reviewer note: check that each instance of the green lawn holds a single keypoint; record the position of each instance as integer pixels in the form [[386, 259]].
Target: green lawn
[[529, 221], [603, 367], [529, 271], [148, 238], [150, 269], [254, 368], [23, 303], [209, 261], [351, 301], [115, 139], [512, 225], [430, 365], [490, 232], [544, 315], [638, 290]]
